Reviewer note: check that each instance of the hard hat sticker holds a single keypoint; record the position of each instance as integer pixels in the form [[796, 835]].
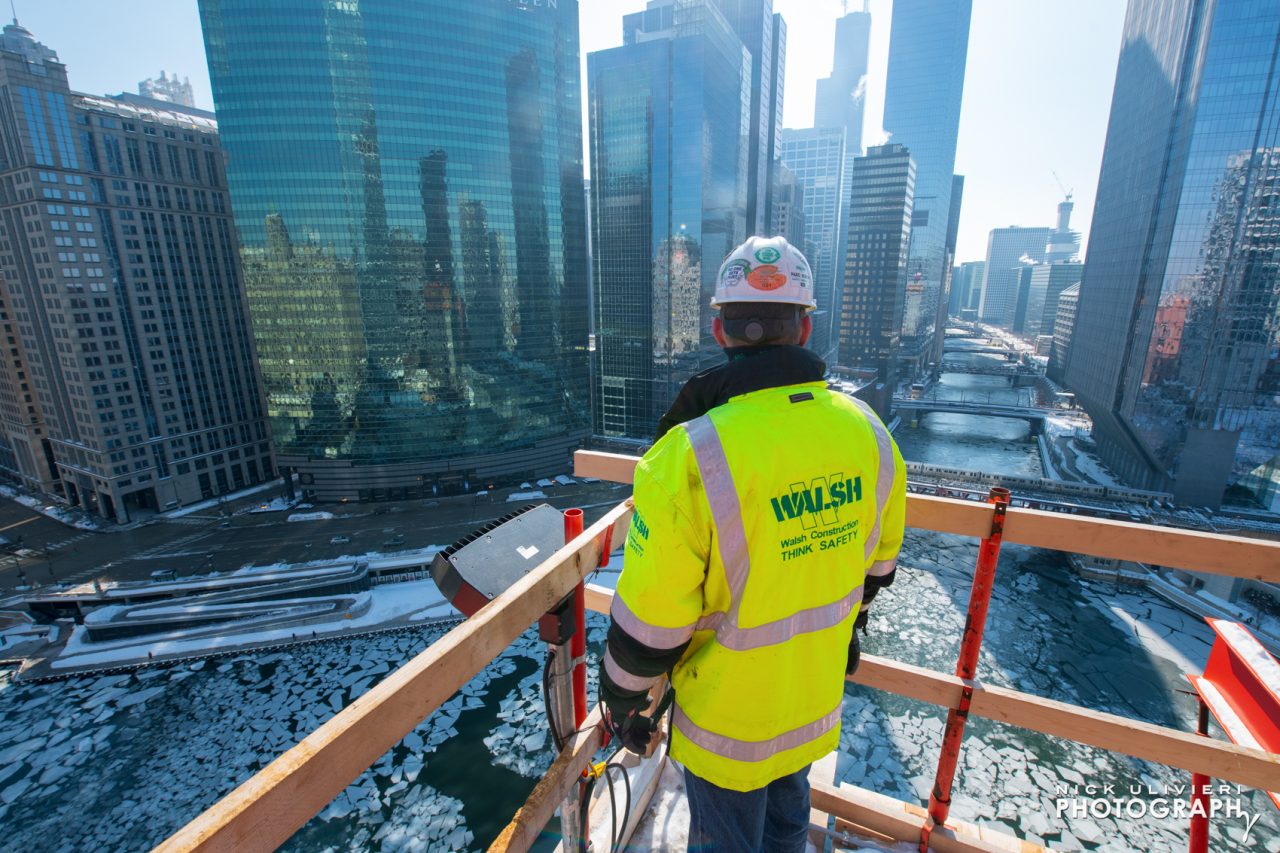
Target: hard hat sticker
[[766, 277], [768, 255], [734, 272]]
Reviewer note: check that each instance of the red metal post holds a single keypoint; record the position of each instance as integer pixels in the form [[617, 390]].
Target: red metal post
[[966, 666], [1200, 795], [578, 646]]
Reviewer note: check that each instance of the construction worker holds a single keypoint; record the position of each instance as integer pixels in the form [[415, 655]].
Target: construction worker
[[766, 518]]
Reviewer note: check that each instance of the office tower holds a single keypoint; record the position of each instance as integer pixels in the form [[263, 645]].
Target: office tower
[[1185, 227], [1064, 323], [928, 45], [1064, 244], [661, 224], [879, 241], [414, 235], [1047, 283], [966, 287], [764, 34], [816, 156], [787, 218], [1008, 251], [170, 89], [840, 98], [130, 384], [944, 295]]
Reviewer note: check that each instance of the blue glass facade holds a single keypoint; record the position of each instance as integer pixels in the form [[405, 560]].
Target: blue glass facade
[[1175, 350], [928, 47], [407, 183], [670, 120], [817, 157]]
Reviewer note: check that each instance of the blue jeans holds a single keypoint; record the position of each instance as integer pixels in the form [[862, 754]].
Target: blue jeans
[[772, 819]]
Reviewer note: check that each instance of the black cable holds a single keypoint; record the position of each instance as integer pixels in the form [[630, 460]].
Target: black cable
[[626, 810], [546, 700]]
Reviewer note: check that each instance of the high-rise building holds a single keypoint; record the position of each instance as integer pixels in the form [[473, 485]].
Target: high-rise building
[[875, 271], [129, 384], [1048, 281], [966, 285], [414, 235], [928, 47], [816, 156], [944, 295], [841, 97], [787, 218], [662, 222], [171, 89], [1186, 232], [764, 34], [1064, 323], [1008, 251]]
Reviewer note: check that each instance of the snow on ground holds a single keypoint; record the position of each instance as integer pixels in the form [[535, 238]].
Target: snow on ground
[[274, 505], [1089, 465], [213, 502], [79, 520], [310, 516]]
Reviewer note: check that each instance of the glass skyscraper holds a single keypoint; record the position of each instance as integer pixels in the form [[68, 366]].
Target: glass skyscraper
[[669, 179], [816, 155], [1176, 348], [1008, 250], [407, 183], [928, 47], [879, 236]]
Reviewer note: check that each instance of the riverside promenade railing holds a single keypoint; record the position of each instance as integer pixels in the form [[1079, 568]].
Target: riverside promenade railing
[[263, 812]]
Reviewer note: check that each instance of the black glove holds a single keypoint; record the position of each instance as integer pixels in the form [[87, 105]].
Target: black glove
[[855, 654], [855, 646], [633, 731]]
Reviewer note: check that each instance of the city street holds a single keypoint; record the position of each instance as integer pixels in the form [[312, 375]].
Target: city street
[[199, 543]]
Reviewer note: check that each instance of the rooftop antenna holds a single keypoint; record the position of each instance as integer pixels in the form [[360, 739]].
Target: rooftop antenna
[[14, 9]]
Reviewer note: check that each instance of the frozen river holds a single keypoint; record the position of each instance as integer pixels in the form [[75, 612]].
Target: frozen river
[[120, 762]]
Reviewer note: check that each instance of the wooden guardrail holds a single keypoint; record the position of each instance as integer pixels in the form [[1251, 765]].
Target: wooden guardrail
[[268, 808], [262, 813], [1212, 553]]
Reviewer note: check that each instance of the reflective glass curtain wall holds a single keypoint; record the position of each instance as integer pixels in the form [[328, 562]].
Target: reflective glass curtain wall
[[407, 182], [816, 156], [1184, 252], [669, 118], [928, 47]]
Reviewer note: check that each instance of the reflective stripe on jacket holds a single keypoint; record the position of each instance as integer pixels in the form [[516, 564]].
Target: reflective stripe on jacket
[[755, 528]]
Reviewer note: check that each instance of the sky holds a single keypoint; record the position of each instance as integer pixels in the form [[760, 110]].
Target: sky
[[1036, 98]]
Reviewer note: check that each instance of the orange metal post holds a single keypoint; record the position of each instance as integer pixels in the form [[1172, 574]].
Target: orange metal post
[[966, 666], [578, 645]]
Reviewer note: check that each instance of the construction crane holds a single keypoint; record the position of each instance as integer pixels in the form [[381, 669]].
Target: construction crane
[[1066, 192]]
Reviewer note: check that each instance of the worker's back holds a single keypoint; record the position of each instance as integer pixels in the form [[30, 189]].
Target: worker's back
[[770, 515]]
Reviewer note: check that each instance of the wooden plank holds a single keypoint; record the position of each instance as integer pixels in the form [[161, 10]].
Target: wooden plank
[[551, 790], [1172, 747], [267, 809], [1213, 553], [903, 821]]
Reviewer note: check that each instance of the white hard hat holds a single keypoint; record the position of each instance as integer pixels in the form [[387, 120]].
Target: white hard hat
[[765, 269]]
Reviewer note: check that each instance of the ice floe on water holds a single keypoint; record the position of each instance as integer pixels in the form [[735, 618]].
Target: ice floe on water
[[121, 761], [1051, 634]]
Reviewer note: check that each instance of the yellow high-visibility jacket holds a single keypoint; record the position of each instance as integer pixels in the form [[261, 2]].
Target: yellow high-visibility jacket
[[755, 528]]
